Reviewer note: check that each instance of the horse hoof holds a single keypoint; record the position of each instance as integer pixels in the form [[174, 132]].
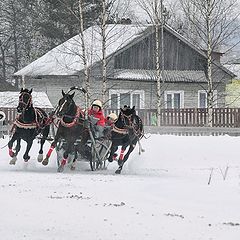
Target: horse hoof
[[118, 171], [13, 161], [40, 157], [45, 162], [60, 168], [26, 159], [73, 166]]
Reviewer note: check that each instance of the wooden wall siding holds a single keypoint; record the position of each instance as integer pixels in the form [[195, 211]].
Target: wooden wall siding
[[178, 55], [149, 87], [53, 87]]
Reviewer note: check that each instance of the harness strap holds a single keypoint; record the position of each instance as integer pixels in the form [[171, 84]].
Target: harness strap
[[39, 121], [75, 120], [120, 130], [25, 125]]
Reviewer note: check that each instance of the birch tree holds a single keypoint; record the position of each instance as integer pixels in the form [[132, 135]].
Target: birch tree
[[156, 12], [112, 11], [211, 22], [84, 54], [103, 21]]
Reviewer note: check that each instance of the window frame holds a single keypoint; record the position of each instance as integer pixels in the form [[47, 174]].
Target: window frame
[[215, 94], [181, 92], [131, 92]]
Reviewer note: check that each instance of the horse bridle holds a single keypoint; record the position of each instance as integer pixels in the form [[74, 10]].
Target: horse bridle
[[60, 107], [29, 102], [123, 117]]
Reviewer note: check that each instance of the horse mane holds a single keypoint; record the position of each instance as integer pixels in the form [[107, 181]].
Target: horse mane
[[26, 90]]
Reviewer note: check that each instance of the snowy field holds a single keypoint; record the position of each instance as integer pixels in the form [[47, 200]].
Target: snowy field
[[164, 194]]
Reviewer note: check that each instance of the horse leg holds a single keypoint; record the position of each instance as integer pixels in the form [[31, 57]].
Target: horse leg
[[64, 160], [11, 153], [74, 163], [53, 145], [10, 144], [26, 157], [14, 154], [111, 157], [45, 135], [122, 159]]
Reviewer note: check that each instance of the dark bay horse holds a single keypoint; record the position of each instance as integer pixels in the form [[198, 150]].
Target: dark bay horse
[[30, 122], [70, 129], [127, 131]]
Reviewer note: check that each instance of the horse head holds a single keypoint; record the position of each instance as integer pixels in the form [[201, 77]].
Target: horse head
[[25, 100], [126, 115], [65, 105]]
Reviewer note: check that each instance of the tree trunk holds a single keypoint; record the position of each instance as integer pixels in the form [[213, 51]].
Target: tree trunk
[[104, 61], [83, 55], [209, 67]]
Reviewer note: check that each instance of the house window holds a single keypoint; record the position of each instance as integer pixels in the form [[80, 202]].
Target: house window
[[119, 98], [202, 98], [174, 99], [114, 101]]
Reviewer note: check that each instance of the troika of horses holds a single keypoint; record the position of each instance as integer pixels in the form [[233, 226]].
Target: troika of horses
[[72, 130]]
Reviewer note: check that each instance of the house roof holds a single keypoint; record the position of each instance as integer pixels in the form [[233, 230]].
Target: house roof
[[10, 100], [66, 59], [235, 68], [168, 76], [5, 86]]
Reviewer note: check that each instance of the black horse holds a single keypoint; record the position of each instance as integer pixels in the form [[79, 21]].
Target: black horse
[[127, 131], [70, 129], [30, 122]]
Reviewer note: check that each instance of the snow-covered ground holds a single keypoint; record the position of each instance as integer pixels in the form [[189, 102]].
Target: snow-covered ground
[[161, 195]]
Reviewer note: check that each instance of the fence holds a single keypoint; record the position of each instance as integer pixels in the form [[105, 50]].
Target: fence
[[188, 117]]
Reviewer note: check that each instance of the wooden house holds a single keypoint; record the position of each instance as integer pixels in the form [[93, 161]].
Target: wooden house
[[131, 69]]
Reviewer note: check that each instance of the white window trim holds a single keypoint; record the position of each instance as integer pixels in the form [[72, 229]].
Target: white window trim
[[215, 103], [172, 92], [119, 91]]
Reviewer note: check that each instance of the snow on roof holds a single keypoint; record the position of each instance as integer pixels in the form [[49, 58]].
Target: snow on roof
[[235, 68], [65, 59], [10, 100], [168, 76]]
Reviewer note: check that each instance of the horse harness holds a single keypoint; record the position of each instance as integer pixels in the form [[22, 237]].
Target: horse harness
[[79, 114], [132, 125]]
